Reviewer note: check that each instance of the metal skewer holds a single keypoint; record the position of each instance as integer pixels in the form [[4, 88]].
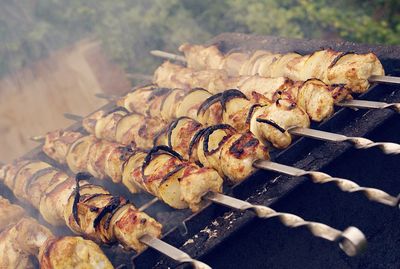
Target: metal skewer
[[73, 117], [180, 58], [358, 142], [172, 252], [385, 79], [369, 105], [351, 240], [345, 185], [167, 55], [38, 138], [108, 97]]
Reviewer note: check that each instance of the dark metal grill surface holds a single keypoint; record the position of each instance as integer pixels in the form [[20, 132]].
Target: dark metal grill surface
[[228, 239]]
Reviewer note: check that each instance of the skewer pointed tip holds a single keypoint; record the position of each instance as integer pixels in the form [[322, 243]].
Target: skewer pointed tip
[[106, 96], [167, 55], [73, 117], [38, 138]]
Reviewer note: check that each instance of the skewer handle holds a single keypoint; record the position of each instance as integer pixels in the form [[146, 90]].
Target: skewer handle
[[345, 185], [352, 241], [172, 252], [369, 105], [358, 142], [167, 55], [385, 79]]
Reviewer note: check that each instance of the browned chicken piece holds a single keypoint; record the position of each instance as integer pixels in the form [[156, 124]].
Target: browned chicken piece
[[316, 98], [123, 127], [167, 105], [270, 124], [21, 242], [25, 239], [177, 182], [87, 209], [139, 172], [331, 67], [200, 57], [233, 61], [313, 96], [12, 212], [220, 147], [144, 100], [72, 252], [213, 80]]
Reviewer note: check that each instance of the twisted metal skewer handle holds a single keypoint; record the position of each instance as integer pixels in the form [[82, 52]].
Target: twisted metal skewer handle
[[369, 105], [172, 252], [352, 241], [345, 185], [358, 142]]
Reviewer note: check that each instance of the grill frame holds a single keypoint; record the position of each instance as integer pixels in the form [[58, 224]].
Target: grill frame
[[264, 187], [267, 188]]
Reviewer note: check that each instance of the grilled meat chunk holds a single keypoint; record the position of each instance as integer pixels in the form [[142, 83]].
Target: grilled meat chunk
[[331, 67]]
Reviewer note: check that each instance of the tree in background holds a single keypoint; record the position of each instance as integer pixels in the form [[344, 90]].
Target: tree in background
[[128, 29]]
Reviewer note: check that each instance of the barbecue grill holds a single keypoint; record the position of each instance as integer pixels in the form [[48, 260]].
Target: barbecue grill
[[233, 239]]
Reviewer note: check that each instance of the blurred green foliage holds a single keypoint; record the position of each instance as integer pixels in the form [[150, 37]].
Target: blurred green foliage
[[128, 29]]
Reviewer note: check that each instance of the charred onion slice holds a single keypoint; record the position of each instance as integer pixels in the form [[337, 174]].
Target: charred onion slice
[[168, 105], [77, 156], [210, 145], [191, 102], [22, 177], [180, 134], [210, 111]]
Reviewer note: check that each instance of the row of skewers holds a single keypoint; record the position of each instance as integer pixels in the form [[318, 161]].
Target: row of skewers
[[180, 145]]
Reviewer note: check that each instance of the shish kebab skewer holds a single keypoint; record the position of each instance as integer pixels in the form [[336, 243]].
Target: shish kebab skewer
[[353, 238], [315, 97], [234, 155], [356, 71], [294, 114], [87, 209], [274, 123], [24, 237]]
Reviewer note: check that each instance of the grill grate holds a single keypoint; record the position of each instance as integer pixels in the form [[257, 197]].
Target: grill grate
[[214, 225]]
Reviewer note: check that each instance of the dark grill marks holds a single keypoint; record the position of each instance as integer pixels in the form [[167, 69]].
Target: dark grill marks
[[209, 102], [157, 150], [116, 109], [334, 62], [172, 172], [77, 196], [273, 124], [209, 131], [194, 140], [172, 126], [229, 95], [35, 176], [158, 92], [239, 147], [113, 204], [251, 111]]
